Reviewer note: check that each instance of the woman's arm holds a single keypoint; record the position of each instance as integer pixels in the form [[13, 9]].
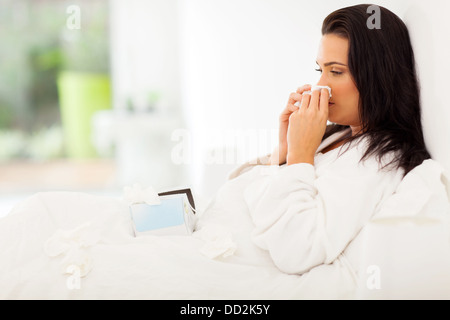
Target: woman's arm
[[304, 221], [261, 161]]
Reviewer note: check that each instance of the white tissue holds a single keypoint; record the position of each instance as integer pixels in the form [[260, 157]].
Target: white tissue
[[315, 88], [136, 194], [318, 88], [221, 247], [218, 241], [79, 259], [72, 246]]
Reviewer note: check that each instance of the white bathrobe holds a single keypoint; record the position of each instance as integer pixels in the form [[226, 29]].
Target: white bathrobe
[[306, 216]]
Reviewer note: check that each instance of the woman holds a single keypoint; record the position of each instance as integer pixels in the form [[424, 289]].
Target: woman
[[299, 211], [332, 180]]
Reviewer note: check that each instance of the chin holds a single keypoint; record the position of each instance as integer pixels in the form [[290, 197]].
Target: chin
[[334, 117]]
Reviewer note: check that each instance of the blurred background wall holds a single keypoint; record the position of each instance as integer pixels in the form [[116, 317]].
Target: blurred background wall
[[97, 94]]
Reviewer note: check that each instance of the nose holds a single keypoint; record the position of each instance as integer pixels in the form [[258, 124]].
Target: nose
[[323, 83]]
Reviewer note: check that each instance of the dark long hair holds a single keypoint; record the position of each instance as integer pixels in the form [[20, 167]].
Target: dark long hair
[[382, 64]]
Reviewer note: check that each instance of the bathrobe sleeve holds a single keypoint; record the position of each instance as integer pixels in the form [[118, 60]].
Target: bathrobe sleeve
[[261, 161], [304, 220]]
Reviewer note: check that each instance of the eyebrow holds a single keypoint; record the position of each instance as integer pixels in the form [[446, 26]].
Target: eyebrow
[[331, 63]]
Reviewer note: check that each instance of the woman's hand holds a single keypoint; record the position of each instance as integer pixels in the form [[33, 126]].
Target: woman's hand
[[279, 156], [307, 127]]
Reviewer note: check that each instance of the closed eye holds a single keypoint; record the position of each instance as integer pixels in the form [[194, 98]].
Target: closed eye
[[334, 72]]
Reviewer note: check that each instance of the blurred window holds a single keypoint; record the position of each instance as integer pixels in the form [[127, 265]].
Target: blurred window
[[40, 40]]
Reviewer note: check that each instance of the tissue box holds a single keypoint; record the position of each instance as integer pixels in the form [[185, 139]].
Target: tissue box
[[173, 216]]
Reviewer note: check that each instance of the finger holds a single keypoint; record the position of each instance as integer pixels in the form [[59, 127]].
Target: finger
[[293, 114], [304, 88], [314, 103], [324, 102], [305, 102], [294, 98], [292, 108]]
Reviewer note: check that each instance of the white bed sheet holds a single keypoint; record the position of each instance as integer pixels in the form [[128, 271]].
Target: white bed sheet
[[150, 267]]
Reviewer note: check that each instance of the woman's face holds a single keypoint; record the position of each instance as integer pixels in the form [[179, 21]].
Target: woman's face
[[332, 60]]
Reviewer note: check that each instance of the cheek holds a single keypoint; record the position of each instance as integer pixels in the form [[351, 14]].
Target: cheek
[[346, 98], [346, 94]]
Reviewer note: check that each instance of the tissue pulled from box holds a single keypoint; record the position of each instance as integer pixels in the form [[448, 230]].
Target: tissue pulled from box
[[136, 194]]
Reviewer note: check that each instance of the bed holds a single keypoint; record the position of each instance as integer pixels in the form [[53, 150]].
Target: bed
[[65, 245], [116, 265]]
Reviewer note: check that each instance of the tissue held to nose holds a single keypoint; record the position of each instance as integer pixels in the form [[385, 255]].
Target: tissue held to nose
[[315, 88], [318, 88]]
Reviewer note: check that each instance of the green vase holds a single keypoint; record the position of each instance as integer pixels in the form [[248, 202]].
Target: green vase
[[80, 96]]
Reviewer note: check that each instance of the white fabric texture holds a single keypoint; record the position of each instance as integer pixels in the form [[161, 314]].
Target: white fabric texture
[[306, 217], [269, 233]]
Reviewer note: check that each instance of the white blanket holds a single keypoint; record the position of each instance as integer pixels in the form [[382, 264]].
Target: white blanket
[[78, 246], [46, 236]]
